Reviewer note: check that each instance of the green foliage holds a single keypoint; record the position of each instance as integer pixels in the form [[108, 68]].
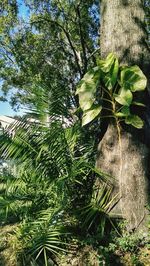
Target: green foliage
[[134, 120], [124, 97], [40, 240], [52, 182], [48, 50], [133, 79], [90, 114], [106, 65], [115, 85], [129, 242], [125, 241], [87, 88], [95, 214]]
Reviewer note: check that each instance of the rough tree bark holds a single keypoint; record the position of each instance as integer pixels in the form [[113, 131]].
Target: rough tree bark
[[123, 32]]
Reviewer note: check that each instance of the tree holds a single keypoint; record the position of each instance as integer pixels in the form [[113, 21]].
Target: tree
[[43, 52], [123, 32]]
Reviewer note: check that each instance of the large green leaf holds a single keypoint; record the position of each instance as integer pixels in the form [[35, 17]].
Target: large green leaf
[[132, 78], [125, 111], [89, 81], [90, 114], [86, 100], [87, 88], [124, 97], [110, 78], [105, 65], [135, 121]]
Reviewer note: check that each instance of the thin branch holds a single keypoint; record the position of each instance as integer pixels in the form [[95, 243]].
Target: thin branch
[[68, 38], [7, 57], [95, 51], [82, 39]]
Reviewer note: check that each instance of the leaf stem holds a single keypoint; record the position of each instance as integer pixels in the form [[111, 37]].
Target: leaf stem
[[105, 90], [106, 100]]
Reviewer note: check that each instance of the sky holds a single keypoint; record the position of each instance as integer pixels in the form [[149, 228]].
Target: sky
[[5, 107]]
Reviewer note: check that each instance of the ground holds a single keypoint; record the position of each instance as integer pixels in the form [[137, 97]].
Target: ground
[[83, 255]]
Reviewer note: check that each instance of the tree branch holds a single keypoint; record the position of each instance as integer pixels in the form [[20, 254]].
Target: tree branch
[[69, 40], [82, 40]]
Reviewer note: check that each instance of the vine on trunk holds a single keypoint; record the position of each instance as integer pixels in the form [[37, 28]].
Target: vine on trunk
[[111, 88]]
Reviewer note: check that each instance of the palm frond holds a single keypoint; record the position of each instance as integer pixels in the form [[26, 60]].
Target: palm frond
[[96, 213]]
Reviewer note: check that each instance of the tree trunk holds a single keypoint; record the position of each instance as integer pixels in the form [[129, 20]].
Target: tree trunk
[[125, 156]]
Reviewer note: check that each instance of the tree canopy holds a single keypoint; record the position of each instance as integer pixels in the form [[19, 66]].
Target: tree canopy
[[48, 50]]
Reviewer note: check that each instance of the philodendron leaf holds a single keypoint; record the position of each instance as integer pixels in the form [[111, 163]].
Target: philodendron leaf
[[90, 114], [134, 120], [86, 100], [125, 111], [105, 65], [132, 78], [87, 88], [124, 97], [89, 81], [110, 78]]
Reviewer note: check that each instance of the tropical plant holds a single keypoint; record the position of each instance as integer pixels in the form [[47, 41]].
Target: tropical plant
[[109, 89], [53, 179], [41, 240]]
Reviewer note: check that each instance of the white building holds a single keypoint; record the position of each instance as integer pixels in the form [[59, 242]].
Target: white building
[[6, 121]]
